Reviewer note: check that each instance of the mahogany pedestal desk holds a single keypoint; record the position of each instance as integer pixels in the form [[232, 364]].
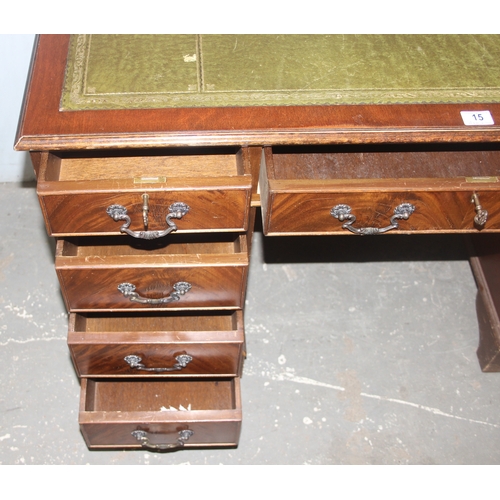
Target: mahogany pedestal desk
[[153, 153]]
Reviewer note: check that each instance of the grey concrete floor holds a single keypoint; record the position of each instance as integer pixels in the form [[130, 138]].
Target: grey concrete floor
[[360, 351]]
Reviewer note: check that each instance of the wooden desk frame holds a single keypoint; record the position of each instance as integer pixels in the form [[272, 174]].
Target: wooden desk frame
[[43, 128]]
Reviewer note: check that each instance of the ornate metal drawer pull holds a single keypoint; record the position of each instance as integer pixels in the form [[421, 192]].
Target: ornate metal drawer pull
[[343, 213], [481, 215], [119, 212], [142, 437], [135, 362], [180, 289]]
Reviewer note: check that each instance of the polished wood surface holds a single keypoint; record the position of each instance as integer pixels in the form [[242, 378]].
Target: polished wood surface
[[76, 189], [435, 212], [100, 342], [71, 214], [300, 186], [89, 274]]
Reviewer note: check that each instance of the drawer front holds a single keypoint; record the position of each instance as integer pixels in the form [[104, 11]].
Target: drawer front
[[77, 189], [139, 345], [374, 189], [221, 209], [210, 287], [111, 413], [431, 211], [117, 273]]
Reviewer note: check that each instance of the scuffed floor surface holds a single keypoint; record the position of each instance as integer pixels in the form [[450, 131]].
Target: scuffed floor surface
[[360, 351]]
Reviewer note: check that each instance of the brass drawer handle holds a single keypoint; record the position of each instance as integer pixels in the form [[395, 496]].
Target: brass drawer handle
[[343, 213], [481, 215], [142, 437], [135, 362], [176, 211], [180, 289]]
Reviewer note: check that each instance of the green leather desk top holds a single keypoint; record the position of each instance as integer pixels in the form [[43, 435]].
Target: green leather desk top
[[165, 71]]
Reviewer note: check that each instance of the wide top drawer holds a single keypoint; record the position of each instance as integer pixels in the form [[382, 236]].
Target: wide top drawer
[[145, 193], [371, 189]]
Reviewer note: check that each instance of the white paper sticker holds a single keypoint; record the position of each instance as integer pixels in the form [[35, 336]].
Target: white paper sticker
[[477, 118]]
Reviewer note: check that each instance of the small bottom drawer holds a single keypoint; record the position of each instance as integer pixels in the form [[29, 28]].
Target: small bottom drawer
[[160, 415]]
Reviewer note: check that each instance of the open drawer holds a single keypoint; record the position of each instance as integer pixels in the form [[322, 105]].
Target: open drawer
[[160, 414], [146, 193], [371, 189], [115, 273], [157, 344]]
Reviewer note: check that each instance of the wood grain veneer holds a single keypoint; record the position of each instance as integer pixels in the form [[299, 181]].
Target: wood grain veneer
[[216, 270], [100, 342], [299, 187], [76, 189]]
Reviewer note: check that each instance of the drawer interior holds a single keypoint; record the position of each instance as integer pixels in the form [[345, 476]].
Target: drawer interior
[[117, 246], [139, 395], [219, 321], [143, 166], [384, 161]]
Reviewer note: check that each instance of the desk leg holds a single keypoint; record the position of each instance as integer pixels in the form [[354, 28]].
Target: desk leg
[[485, 264]]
